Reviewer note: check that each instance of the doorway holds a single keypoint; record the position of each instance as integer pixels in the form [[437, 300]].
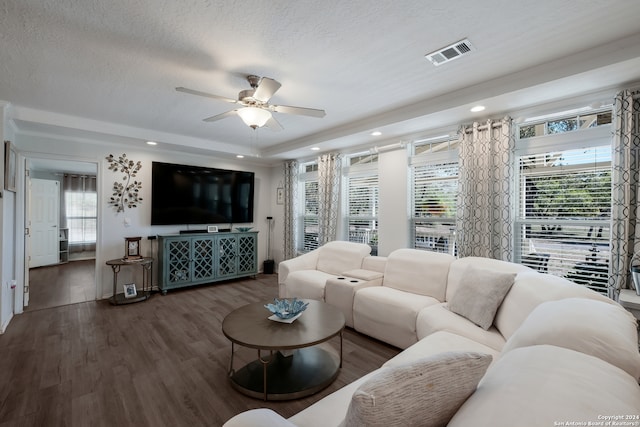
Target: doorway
[[69, 277]]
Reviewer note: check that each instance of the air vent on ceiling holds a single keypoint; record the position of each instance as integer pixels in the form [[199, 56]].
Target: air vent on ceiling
[[450, 53]]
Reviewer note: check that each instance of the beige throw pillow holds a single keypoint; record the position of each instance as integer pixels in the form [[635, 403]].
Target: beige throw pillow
[[427, 392], [480, 294]]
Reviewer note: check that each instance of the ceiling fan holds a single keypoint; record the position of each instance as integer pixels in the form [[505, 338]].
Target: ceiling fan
[[255, 110]]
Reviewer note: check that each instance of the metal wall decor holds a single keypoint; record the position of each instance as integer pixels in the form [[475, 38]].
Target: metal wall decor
[[125, 194]]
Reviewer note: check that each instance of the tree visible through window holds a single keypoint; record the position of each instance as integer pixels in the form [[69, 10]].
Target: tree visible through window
[[565, 214], [435, 187]]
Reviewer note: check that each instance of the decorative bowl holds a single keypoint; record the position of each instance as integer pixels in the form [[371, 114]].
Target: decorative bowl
[[243, 229], [286, 308]]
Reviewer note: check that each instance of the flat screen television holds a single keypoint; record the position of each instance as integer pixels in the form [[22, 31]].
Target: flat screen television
[[182, 194]]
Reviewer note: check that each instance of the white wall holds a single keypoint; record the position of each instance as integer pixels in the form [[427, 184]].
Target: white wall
[[393, 219], [277, 212], [7, 222], [394, 231], [113, 227]]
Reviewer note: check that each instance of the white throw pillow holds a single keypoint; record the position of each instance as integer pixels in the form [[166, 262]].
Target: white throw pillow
[[480, 294], [427, 392], [593, 327]]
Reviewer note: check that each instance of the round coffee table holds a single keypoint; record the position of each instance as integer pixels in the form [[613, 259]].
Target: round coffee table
[[295, 366]]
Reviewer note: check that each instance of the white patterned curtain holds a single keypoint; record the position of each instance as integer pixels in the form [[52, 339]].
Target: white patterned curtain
[[484, 214], [625, 230], [291, 168], [328, 197]]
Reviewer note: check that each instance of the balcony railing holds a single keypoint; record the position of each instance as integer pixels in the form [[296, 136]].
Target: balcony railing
[[435, 237], [367, 236]]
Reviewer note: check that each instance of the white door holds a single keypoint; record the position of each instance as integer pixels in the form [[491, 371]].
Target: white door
[[44, 213]]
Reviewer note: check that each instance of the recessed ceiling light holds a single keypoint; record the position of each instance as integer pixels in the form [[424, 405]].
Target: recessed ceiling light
[[152, 143], [376, 133], [477, 108], [240, 156], [315, 148]]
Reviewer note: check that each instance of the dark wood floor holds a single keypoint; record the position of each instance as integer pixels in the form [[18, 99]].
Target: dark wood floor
[[61, 284], [162, 362]]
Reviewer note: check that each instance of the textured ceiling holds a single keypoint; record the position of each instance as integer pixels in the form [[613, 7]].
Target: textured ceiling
[[83, 68]]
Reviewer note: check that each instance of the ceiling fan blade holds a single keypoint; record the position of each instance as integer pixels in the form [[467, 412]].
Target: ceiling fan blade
[[221, 116], [207, 95], [311, 112], [273, 124], [266, 89]]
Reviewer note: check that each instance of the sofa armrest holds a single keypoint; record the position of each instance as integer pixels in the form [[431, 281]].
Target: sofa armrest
[[258, 418], [366, 275], [306, 261], [341, 291]]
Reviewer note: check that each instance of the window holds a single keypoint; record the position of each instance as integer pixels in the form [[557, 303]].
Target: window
[[310, 203], [363, 159], [362, 209], [81, 214], [434, 187], [564, 207], [566, 124]]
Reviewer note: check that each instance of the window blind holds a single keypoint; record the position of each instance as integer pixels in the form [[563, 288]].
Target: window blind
[[434, 195], [81, 216], [564, 214], [362, 200], [310, 218]]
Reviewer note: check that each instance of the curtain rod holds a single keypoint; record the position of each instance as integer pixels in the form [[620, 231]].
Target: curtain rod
[[494, 124]]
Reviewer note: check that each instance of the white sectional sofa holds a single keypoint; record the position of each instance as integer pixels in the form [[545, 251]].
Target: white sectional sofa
[[486, 343], [305, 276]]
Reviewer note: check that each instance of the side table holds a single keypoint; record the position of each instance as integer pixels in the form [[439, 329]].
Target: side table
[[630, 300], [142, 294]]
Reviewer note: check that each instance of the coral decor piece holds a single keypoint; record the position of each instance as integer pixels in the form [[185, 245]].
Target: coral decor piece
[[286, 309], [125, 194]]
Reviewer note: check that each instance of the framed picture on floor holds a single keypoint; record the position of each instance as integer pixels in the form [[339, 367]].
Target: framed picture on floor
[[130, 290]]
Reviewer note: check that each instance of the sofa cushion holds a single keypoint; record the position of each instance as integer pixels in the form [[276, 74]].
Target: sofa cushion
[[331, 409], [531, 289], [592, 327], [418, 272], [458, 271], [479, 296], [439, 342], [307, 284], [338, 256], [374, 263], [547, 386], [439, 318], [427, 392], [388, 314]]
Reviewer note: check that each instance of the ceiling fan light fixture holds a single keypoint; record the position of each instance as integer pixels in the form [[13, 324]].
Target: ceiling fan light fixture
[[254, 117]]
